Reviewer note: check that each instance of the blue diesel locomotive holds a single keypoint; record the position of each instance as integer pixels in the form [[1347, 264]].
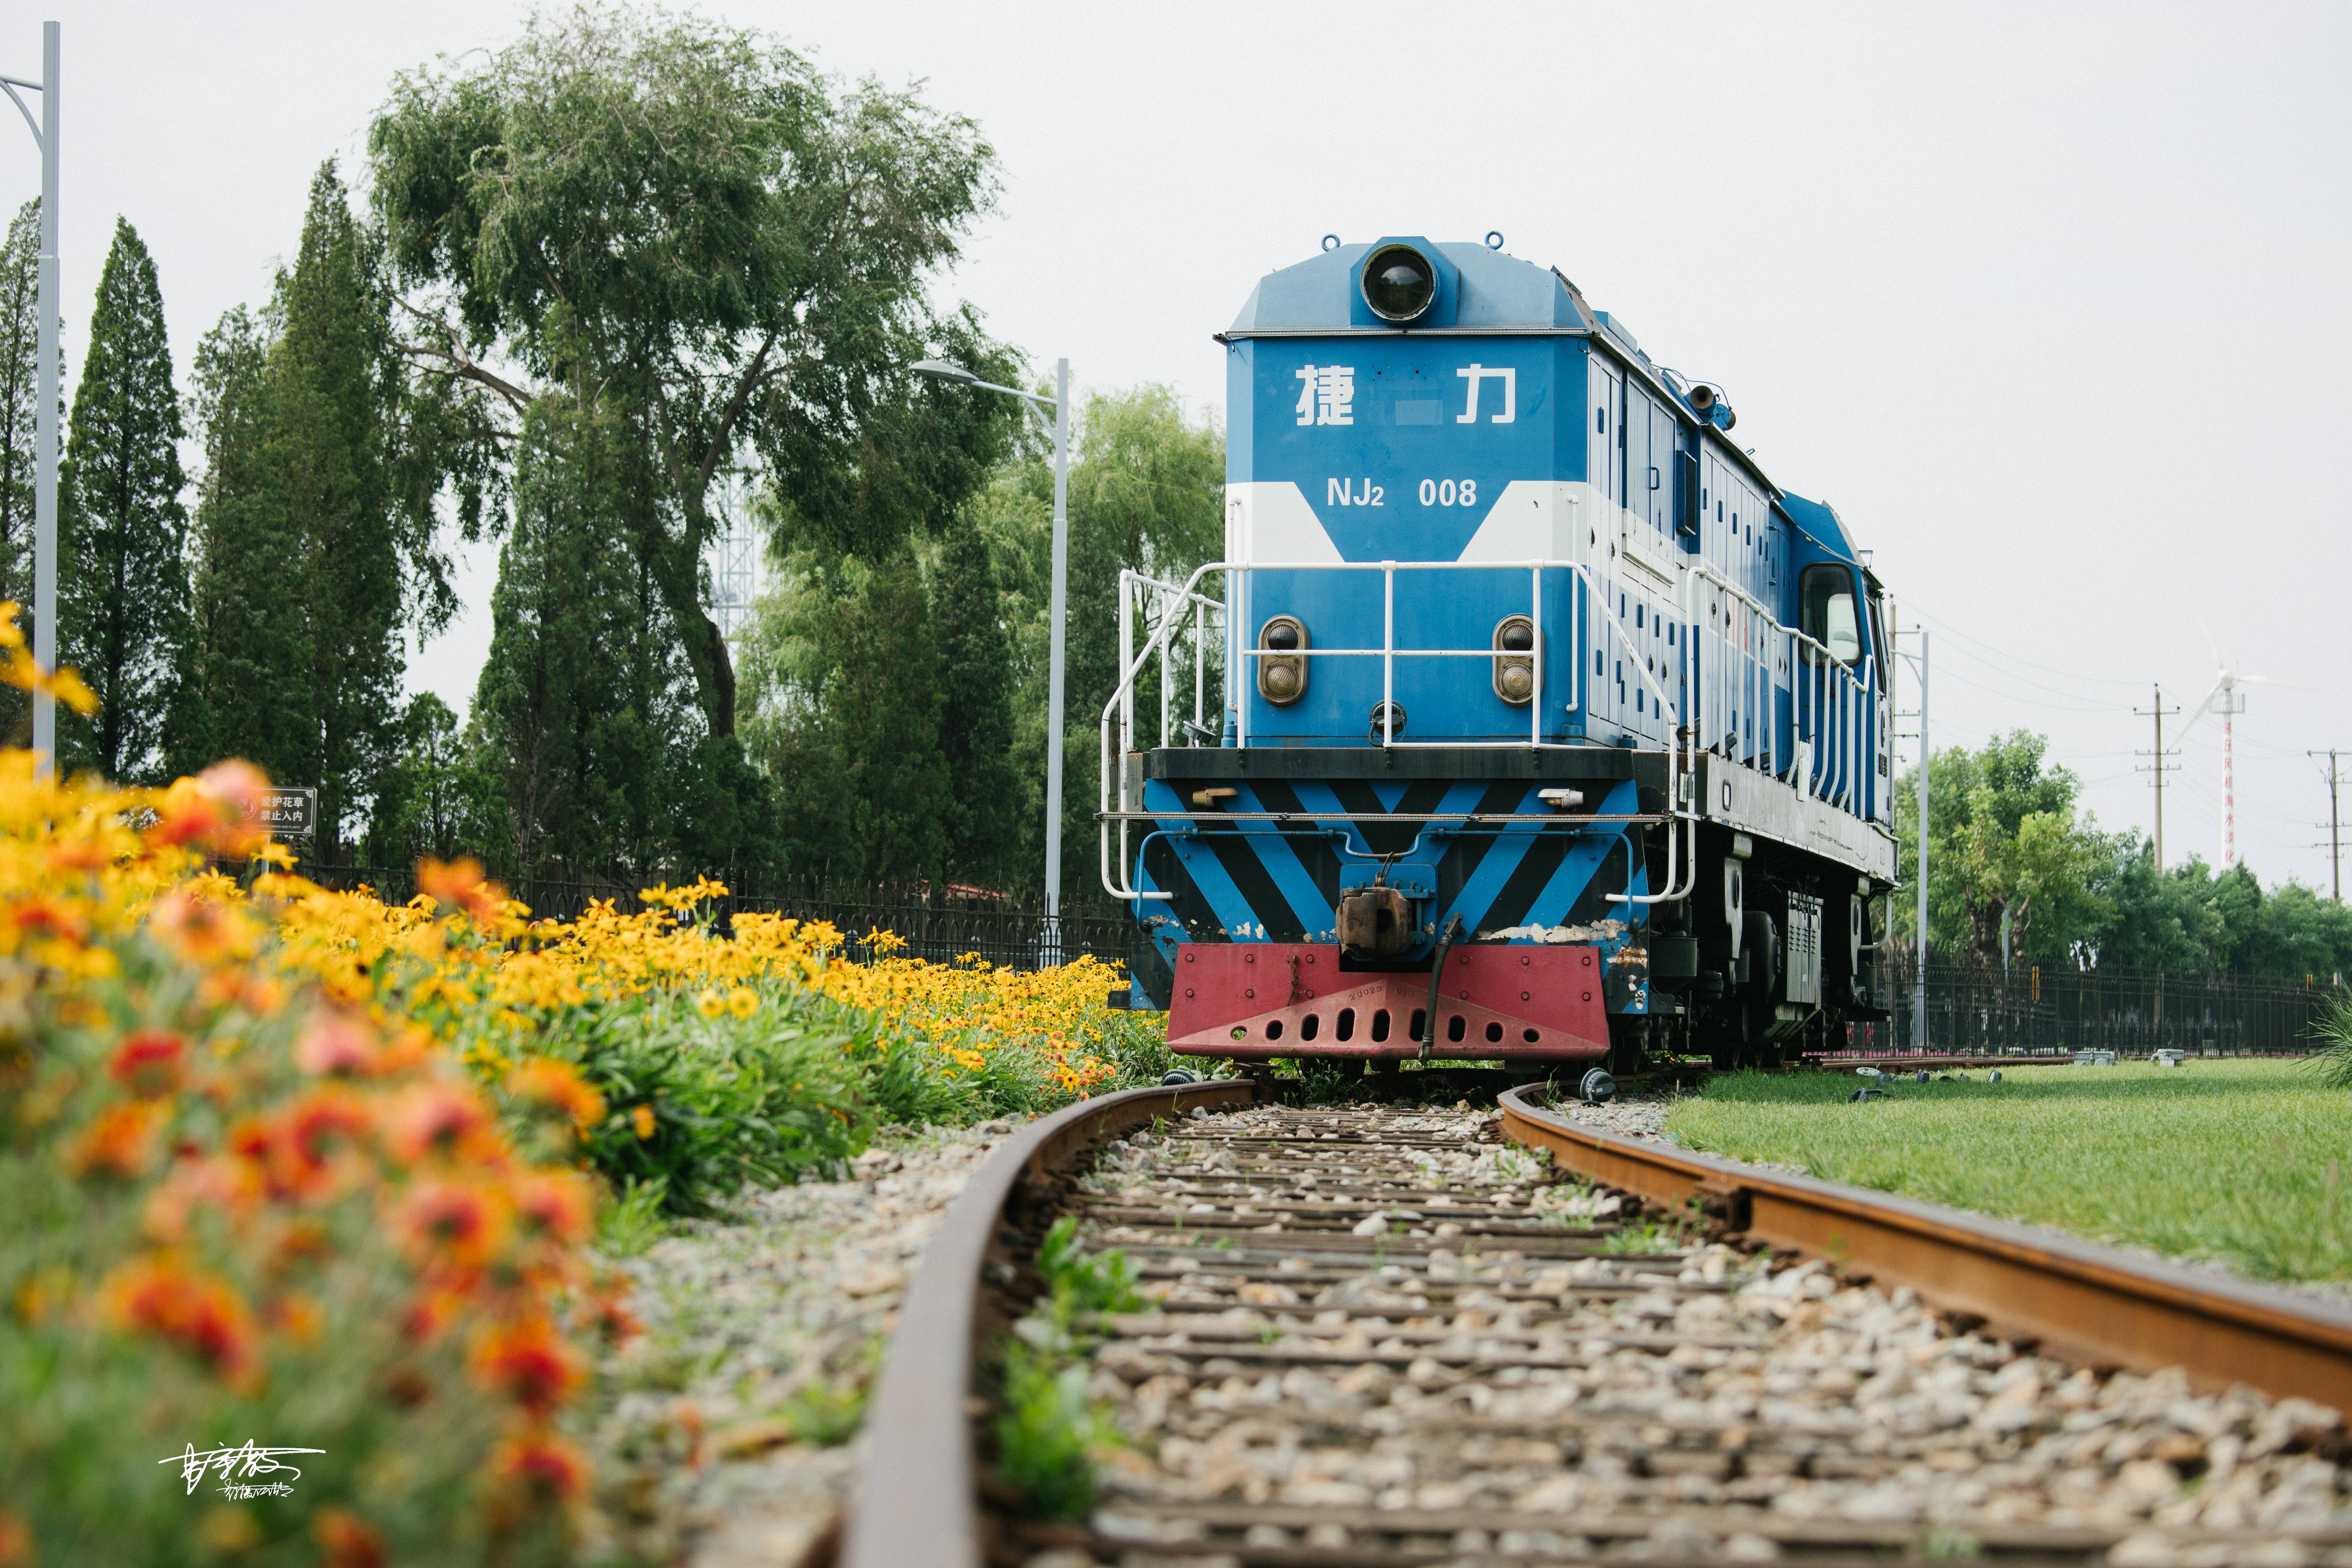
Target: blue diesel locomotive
[[1552, 729]]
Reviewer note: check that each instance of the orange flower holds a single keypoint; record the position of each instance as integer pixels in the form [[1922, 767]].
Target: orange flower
[[642, 1118], [149, 1061], [445, 1119], [84, 855], [432, 1312], [455, 1228], [298, 1317], [605, 1312], [200, 931], [458, 885], [537, 1468], [200, 1312], [529, 1363], [559, 1084], [334, 1044], [220, 810], [233, 1185], [556, 1204], [120, 1143], [15, 1541], [49, 919], [349, 1541]]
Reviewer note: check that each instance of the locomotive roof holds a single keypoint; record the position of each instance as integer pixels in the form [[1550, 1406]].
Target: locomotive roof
[[1495, 295]]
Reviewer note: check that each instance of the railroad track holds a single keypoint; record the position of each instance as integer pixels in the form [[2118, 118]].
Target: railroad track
[[1394, 1335]]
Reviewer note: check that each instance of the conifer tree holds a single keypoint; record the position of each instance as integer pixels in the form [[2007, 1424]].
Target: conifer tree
[[883, 703], [325, 472], [122, 584], [571, 695], [243, 689], [19, 366]]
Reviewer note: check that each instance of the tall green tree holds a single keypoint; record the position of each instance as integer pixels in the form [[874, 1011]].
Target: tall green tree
[[883, 706], [575, 695], [2008, 860], [19, 368], [244, 687], [122, 580], [326, 458], [686, 230], [983, 796]]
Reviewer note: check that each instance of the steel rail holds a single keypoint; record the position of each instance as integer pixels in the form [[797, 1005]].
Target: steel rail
[[918, 1504], [2079, 1301]]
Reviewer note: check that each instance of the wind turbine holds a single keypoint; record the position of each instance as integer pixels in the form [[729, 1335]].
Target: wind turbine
[[2227, 700]]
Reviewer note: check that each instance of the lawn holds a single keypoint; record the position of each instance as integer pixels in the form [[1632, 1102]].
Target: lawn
[[2243, 1163]]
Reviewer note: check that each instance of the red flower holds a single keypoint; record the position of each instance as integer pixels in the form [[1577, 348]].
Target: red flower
[[443, 1118], [349, 1541], [529, 1363], [455, 1229], [333, 1044], [557, 1204], [50, 918], [149, 1061], [200, 1312], [539, 1468], [219, 810]]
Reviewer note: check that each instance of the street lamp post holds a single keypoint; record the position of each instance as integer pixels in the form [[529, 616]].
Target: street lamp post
[[1060, 428], [45, 413]]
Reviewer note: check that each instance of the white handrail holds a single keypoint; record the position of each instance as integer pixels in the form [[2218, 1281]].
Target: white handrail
[[1132, 662]]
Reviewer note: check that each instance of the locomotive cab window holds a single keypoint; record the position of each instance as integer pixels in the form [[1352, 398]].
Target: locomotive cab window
[[1826, 593]]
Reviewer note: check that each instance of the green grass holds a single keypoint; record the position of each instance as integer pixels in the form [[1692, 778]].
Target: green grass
[[2243, 1162]]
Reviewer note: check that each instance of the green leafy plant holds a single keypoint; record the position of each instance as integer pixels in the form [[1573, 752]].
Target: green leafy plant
[[629, 1225], [1080, 1281], [826, 1413], [1044, 1432], [2333, 1065]]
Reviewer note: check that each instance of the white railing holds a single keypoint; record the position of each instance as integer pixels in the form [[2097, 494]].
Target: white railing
[[1828, 701], [1173, 598], [1132, 662]]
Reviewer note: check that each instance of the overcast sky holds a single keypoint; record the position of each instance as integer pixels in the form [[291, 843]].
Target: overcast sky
[[2050, 300]]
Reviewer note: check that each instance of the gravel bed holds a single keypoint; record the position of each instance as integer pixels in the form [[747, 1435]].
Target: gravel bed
[[708, 1456], [1696, 1404]]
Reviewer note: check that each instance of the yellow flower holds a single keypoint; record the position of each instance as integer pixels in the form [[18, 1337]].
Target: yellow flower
[[642, 1118], [742, 1002], [711, 1004]]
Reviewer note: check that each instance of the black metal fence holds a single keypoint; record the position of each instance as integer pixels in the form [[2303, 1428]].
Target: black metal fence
[[1976, 1008], [998, 928]]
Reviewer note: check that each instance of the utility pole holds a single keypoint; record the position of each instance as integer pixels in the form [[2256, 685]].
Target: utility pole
[[2334, 829], [1919, 984], [2159, 767], [1919, 871], [44, 640]]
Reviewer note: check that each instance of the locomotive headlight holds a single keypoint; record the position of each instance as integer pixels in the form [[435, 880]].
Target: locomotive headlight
[[1515, 665], [1398, 284], [1282, 677]]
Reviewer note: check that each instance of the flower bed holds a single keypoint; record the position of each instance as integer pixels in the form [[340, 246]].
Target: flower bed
[[297, 1169]]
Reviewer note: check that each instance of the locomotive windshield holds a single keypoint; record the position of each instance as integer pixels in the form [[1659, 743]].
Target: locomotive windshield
[[1829, 611]]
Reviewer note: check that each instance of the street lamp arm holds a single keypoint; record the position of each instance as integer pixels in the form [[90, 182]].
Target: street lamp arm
[[10, 84], [1031, 397]]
